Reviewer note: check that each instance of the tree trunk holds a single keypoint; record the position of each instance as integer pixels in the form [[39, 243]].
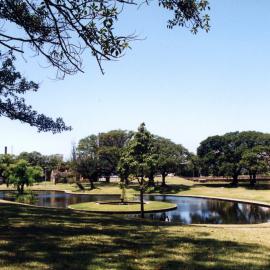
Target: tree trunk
[[126, 181], [142, 203], [141, 198], [163, 180], [235, 180], [151, 181], [20, 189], [253, 180], [107, 179], [92, 184], [81, 187]]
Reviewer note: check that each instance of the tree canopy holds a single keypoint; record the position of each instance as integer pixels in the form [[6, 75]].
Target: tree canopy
[[60, 30], [138, 158], [223, 155], [21, 173], [170, 156], [101, 152], [12, 105]]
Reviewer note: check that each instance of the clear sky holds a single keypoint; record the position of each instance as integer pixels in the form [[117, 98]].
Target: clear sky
[[184, 87]]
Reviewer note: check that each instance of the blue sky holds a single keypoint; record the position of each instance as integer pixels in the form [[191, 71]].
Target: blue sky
[[184, 87]]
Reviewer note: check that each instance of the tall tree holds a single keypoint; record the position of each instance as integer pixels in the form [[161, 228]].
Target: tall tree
[[87, 167], [87, 164], [88, 146], [138, 157], [109, 150], [105, 148], [256, 160], [170, 156], [222, 155]]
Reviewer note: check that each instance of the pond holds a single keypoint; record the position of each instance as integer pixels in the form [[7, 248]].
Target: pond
[[189, 209], [60, 199]]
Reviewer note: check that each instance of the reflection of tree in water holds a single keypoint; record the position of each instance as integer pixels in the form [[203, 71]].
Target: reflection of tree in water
[[256, 213], [231, 212], [213, 211]]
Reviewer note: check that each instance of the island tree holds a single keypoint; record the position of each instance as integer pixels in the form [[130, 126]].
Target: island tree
[[138, 158]]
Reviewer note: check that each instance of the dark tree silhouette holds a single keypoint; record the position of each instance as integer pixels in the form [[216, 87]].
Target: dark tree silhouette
[[13, 106]]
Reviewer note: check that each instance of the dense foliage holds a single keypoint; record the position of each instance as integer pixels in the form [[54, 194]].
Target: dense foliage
[[235, 153], [98, 155], [8, 163], [21, 173], [140, 157], [111, 153]]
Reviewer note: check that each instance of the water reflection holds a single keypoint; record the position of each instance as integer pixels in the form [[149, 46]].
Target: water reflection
[[189, 210], [60, 199], [197, 210]]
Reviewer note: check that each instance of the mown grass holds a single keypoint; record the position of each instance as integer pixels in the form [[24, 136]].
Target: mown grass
[[149, 206], [33, 238]]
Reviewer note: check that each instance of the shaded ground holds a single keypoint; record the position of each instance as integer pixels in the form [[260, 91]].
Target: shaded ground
[[33, 238]]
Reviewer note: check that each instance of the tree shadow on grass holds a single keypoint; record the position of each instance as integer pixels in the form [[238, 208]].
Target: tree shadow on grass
[[167, 189], [33, 238], [171, 189]]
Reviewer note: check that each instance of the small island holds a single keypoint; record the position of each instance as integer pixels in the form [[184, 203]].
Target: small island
[[117, 207]]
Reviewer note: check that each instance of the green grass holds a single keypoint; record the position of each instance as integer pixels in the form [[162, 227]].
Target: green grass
[[148, 207], [33, 238]]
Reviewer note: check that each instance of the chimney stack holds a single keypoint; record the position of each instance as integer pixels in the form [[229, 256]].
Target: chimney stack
[[5, 150]]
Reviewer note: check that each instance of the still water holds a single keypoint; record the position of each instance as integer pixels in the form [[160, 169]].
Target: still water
[[60, 199], [189, 210], [198, 210]]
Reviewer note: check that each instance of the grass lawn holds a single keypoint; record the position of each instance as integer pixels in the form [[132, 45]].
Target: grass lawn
[[33, 238], [148, 207]]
